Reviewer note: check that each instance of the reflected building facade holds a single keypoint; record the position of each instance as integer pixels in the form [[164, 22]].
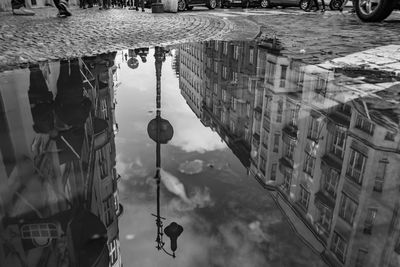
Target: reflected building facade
[[59, 198], [191, 75], [324, 144], [230, 82]]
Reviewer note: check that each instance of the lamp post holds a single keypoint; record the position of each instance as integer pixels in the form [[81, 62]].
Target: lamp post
[[161, 131]]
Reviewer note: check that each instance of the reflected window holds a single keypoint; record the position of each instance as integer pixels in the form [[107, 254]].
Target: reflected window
[[234, 76], [325, 219], [216, 88], [282, 83], [321, 86], [304, 197], [233, 103], [345, 109], [309, 162], [270, 72], [339, 246], [40, 230], [313, 129], [248, 109], [331, 178], [225, 48], [279, 111], [216, 67], [380, 176], [251, 55], [109, 210], [364, 125], [287, 179], [224, 95], [276, 142], [114, 252], [369, 220], [356, 166], [348, 208], [288, 149], [273, 171], [338, 142], [224, 72], [236, 52], [263, 163], [390, 136], [232, 126], [265, 139]]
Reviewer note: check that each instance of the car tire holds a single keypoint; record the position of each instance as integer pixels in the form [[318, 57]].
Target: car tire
[[182, 5], [265, 4], [374, 13], [303, 4], [335, 4], [211, 4]]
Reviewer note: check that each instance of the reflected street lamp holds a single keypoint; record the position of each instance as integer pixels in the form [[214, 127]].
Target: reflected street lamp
[[161, 131]]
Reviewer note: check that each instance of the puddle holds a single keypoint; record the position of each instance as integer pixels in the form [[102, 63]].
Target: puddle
[[263, 160]]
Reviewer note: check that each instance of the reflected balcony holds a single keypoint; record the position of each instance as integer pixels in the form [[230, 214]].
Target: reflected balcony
[[290, 132]]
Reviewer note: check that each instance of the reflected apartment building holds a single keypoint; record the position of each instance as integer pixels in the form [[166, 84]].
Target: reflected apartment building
[[191, 74], [50, 188], [330, 157], [228, 102]]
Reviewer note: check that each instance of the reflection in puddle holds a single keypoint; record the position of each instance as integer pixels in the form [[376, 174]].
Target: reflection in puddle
[[321, 142]]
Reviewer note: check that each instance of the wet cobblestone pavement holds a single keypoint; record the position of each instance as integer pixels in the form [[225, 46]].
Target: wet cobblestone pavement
[[90, 32], [308, 36]]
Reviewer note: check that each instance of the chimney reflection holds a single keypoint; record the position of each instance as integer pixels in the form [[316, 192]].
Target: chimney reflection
[[324, 144], [59, 196]]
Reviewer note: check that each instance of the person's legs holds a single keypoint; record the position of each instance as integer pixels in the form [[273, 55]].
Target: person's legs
[[62, 6], [142, 4], [323, 5], [18, 8], [316, 5]]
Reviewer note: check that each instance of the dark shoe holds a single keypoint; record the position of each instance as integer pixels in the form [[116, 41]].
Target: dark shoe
[[22, 11], [142, 10], [63, 8], [137, 9]]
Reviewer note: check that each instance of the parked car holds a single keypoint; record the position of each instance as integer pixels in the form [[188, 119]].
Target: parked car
[[189, 4], [282, 3], [245, 3], [374, 11]]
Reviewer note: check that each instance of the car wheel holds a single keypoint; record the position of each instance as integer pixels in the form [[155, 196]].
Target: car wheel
[[303, 4], [211, 4], [335, 4], [264, 3], [181, 5], [374, 10]]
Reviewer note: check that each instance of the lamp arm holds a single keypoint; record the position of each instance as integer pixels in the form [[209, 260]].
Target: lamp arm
[[172, 255]]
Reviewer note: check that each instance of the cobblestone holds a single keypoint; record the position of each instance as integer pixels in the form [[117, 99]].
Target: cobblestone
[[311, 37], [92, 31], [329, 35]]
